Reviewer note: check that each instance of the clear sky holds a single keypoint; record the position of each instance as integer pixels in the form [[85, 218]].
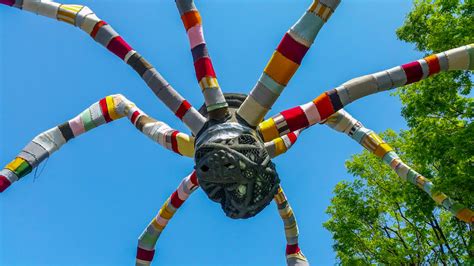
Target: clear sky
[[97, 194]]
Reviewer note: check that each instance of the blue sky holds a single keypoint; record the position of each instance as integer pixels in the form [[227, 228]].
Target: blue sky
[[96, 195]]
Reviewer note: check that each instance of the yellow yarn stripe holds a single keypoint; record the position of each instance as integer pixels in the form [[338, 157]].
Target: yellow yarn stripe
[[68, 13], [15, 164], [321, 10], [185, 144], [280, 146], [208, 82], [164, 212], [268, 130], [111, 108], [280, 68]]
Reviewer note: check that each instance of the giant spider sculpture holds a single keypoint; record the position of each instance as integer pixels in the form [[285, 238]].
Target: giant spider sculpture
[[231, 146]]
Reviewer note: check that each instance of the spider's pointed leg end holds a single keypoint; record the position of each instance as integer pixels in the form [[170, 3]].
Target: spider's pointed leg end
[[4, 183], [295, 261], [7, 2], [294, 256], [144, 257], [465, 215]]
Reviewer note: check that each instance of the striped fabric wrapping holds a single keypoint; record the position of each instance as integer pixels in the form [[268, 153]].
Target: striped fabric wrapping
[[149, 237], [101, 32], [104, 111], [344, 122], [461, 58], [205, 73], [329, 102], [294, 255], [285, 61], [282, 144]]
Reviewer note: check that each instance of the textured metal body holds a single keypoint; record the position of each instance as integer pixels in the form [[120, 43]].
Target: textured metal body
[[232, 165]]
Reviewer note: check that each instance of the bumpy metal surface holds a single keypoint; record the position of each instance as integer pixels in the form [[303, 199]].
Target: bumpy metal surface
[[233, 167]]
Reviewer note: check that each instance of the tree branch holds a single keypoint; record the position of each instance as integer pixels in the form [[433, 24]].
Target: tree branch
[[446, 243], [441, 248], [417, 232]]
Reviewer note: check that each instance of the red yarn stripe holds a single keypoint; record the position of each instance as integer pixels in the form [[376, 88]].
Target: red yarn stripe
[[4, 183], [105, 110], [175, 200], [119, 47], [292, 136], [324, 105], [183, 108], [145, 255], [413, 71], [174, 142], [292, 49], [7, 2], [292, 249], [194, 179], [295, 118], [134, 117], [204, 68], [96, 28]]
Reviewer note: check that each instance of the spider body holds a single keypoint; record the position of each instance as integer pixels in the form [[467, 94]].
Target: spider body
[[233, 166]]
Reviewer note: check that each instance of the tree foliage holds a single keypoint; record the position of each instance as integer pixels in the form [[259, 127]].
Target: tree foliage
[[378, 219]]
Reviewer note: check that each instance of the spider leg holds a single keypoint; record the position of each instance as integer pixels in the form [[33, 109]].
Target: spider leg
[[216, 104], [104, 111], [147, 240], [344, 122], [285, 61], [294, 256], [100, 31], [282, 144], [329, 102]]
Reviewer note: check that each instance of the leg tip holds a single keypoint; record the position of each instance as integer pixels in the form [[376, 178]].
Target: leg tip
[[4, 183], [465, 215], [297, 259], [7, 2], [294, 256], [144, 257]]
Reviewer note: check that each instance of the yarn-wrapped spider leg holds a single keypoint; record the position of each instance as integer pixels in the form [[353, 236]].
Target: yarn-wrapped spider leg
[[345, 123], [280, 145], [285, 60], [149, 237], [329, 102], [84, 18], [294, 255], [104, 111], [216, 104]]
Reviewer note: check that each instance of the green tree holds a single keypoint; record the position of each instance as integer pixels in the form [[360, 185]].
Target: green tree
[[378, 219]]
